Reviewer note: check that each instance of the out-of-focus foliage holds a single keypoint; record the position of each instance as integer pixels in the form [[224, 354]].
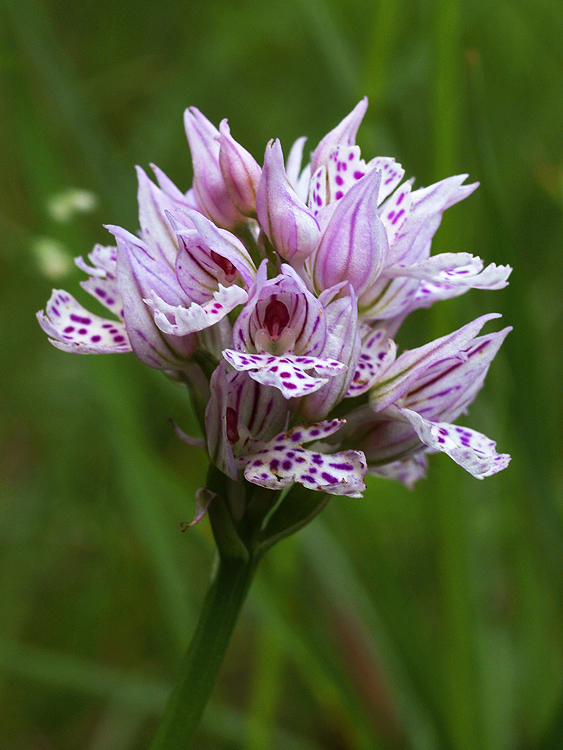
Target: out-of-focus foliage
[[429, 620]]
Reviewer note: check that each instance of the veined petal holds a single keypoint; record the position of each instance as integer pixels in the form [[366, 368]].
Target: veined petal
[[73, 329], [287, 221], [446, 389], [288, 372], [406, 370], [354, 244], [179, 320], [472, 450], [240, 171], [283, 461]]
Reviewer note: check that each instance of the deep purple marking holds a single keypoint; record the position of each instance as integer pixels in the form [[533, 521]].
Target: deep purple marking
[[80, 319], [339, 195], [350, 156], [342, 467], [287, 465], [300, 459], [111, 301], [358, 175], [274, 368], [285, 374], [396, 219], [400, 199], [339, 180], [291, 386], [118, 339], [329, 478], [313, 469], [315, 432], [316, 458], [101, 292], [82, 331], [107, 325], [296, 437], [68, 329], [274, 463], [95, 339]]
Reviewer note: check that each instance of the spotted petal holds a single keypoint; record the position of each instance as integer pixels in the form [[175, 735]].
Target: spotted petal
[[288, 373], [73, 329], [179, 320], [472, 450], [284, 461]]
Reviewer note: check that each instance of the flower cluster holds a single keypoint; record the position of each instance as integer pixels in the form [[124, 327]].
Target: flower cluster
[[275, 292]]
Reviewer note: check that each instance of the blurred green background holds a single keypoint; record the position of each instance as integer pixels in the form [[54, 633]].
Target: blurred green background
[[430, 619]]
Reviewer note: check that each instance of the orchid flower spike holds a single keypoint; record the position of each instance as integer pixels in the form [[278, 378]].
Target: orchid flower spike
[[275, 291]]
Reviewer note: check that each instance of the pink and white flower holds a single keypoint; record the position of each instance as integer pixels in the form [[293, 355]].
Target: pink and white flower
[[275, 292]]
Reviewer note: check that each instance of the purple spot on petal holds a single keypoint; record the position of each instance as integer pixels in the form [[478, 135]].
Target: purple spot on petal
[[329, 478]]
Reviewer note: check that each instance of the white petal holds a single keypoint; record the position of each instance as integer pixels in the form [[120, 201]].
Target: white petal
[[73, 329], [178, 320], [472, 450]]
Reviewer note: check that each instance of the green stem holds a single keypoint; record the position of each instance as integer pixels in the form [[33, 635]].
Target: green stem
[[202, 662]]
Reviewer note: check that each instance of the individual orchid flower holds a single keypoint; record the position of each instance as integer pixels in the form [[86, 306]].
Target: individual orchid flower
[[212, 267], [419, 395], [280, 335]]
